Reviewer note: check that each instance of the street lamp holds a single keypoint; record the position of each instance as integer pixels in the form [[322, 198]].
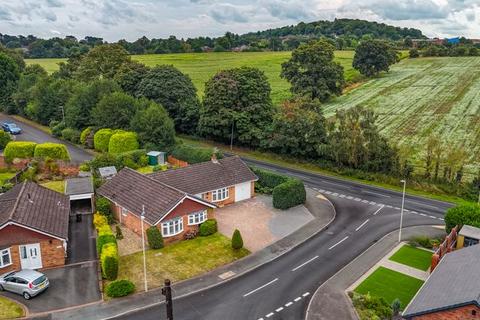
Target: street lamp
[[231, 136], [63, 113], [143, 248], [401, 212]]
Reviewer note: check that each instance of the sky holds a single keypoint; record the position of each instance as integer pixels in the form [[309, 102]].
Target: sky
[[123, 19]]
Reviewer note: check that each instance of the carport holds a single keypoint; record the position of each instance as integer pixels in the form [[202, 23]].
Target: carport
[[81, 194]]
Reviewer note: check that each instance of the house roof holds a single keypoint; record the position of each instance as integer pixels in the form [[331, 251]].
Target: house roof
[[470, 232], [36, 207], [455, 282], [207, 176], [133, 190], [79, 186], [107, 171]]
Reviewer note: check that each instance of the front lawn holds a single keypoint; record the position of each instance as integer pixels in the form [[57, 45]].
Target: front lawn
[[390, 285], [413, 257], [4, 176], [58, 186], [10, 309], [179, 261]]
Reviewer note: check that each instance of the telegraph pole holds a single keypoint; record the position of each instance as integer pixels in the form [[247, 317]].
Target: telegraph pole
[[167, 292]]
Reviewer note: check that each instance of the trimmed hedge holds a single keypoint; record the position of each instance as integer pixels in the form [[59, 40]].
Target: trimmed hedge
[[5, 138], [237, 241], [109, 261], [103, 239], [155, 239], [269, 179], [19, 149], [132, 159], [461, 215], [99, 220], [119, 288], [84, 135], [51, 150], [208, 227], [289, 194], [123, 142], [103, 207], [194, 155], [101, 139]]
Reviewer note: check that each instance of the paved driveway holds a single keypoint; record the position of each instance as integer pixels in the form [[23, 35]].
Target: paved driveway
[[81, 246], [259, 223]]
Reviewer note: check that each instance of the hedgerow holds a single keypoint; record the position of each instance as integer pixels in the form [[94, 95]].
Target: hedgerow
[[194, 155], [289, 194], [101, 139], [123, 142], [109, 261], [19, 149], [267, 180], [52, 151]]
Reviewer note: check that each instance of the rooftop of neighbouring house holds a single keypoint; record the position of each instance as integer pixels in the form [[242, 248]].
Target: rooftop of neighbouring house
[[470, 232], [79, 186]]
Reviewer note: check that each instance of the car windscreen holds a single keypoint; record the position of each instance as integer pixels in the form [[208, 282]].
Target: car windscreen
[[13, 125], [39, 280]]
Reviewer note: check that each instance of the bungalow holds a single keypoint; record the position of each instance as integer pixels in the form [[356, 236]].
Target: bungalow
[[174, 212], [33, 228], [222, 182]]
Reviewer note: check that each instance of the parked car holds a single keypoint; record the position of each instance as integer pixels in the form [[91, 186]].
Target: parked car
[[11, 127], [27, 282]]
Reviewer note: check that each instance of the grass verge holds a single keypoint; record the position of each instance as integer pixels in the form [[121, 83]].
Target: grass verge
[[58, 186], [32, 123], [390, 285], [413, 257], [10, 309]]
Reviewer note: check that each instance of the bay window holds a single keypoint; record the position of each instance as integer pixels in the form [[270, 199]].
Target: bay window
[[172, 227], [5, 258], [220, 194], [197, 217]]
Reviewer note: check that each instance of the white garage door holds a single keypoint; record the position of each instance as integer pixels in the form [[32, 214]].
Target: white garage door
[[243, 191]]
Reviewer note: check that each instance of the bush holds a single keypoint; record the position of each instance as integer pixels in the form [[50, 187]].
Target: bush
[[289, 194], [371, 307], [160, 167], [84, 167], [462, 214], [208, 227], [103, 207], [101, 139], [84, 135], [413, 53], [267, 180], [119, 288], [19, 149], [237, 241], [118, 232], [71, 135], [155, 239], [5, 138], [133, 159], [194, 155], [57, 128], [51, 150], [103, 240], [123, 142], [109, 261], [99, 220]]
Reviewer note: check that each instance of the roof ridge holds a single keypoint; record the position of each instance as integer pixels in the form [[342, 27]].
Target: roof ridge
[[156, 181], [24, 183]]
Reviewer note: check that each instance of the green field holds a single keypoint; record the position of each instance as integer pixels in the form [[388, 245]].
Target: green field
[[202, 66], [413, 257]]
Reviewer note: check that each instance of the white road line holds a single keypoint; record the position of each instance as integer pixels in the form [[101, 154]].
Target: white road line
[[342, 196], [422, 204], [270, 314], [288, 304], [360, 226], [373, 203], [378, 194], [308, 261], [375, 213], [365, 201], [328, 192], [305, 294], [349, 197], [336, 244], [297, 299], [357, 199], [423, 214], [396, 208], [335, 194], [389, 206], [259, 288], [279, 309], [433, 217], [260, 319]]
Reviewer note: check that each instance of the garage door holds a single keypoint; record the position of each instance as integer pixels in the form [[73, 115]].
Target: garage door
[[243, 191]]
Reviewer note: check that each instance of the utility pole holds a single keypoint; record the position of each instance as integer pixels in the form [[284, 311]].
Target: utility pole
[[401, 212], [167, 292], [231, 136], [142, 218]]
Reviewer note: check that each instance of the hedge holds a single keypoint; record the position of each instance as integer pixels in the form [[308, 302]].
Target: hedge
[[269, 179], [5, 138], [109, 261], [51, 150], [155, 239], [461, 215], [19, 149], [119, 288], [289, 194], [103, 239], [99, 220], [208, 227], [194, 155], [123, 142], [101, 139], [103, 207], [71, 135], [132, 159], [237, 241], [84, 135]]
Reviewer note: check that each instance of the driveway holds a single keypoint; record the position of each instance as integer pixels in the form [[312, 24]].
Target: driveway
[[81, 240], [259, 223]]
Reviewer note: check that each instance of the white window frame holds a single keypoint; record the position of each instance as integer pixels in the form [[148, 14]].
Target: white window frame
[[124, 211], [172, 227], [197, 217], [5, 252], [220, 194]]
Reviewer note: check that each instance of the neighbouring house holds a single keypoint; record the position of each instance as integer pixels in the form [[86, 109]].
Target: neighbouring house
[[220, 181], [176, 213], [452, 292], [468, 236], [33, 228]]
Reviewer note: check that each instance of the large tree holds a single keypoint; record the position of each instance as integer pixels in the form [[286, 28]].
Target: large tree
[[130, 75], [114, 111], [238, 98], [374, 56], [28, 79], [154, 127], [102, 62], [313, 72], [174, 90], [9, 76]]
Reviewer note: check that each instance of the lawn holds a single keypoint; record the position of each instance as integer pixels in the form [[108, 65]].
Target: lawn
[[4, 176], [58, 186], [413, 257], [10, 309], [179, 261], [390, 285], [145, 170]]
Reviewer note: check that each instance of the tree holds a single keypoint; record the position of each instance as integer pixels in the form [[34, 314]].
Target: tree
[[238, 98], [5, 138], [154, 127], [237, 241], [9, 76], [373, 56], [114, 111], [462, 214], [130, 75], [312, 71], [175, 91], [28, 79], [102, 62], [413, 53], [154, 237], [298, 129]]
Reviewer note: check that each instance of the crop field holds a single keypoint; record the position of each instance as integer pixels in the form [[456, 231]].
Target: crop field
[[423, 97], [202, 66]]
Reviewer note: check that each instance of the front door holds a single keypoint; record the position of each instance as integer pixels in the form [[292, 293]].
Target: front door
[[30, 256]]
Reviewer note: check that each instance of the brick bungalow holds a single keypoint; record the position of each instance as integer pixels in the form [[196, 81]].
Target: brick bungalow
[[33, 228], [174, 212], [452, 292], [222, 182]]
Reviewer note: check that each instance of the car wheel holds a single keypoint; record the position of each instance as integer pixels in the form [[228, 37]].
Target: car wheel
[[27, 296], [1, 288]]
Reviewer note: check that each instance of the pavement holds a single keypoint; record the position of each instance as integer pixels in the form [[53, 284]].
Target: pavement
[[330, 301]]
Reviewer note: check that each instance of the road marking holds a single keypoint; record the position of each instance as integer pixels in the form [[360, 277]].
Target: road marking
[[336, 244], [349, 197], [375, 213], [261, 287], [260, 319], [423, 214], [308, 261], [365, 201], [297, 299], [357, 199], [270, 314], [335, 184], [389, 206], [378, 194], [422, 204], [360, 226], [433, 217], [342, 196], [373, 203], [305, 294], [279, 309], [335, 194], [396, 208], [288, 304]]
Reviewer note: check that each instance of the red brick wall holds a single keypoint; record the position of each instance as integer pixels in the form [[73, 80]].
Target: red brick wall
[[176, 162], [461, 313], [231, 197]]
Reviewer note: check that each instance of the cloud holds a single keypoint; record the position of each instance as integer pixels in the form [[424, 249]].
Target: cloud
[[54, 3], [227, 13], [5, 15], [288, 9]]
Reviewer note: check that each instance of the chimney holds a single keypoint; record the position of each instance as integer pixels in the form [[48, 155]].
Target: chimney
[[214, 158]]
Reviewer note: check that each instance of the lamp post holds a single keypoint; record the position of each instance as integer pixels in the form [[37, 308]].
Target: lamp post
[[401, 212], [63, 113], [143, 248], [231, 135]]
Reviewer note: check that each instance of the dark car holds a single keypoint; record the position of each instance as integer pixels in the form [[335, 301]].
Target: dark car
[[11, 127]]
